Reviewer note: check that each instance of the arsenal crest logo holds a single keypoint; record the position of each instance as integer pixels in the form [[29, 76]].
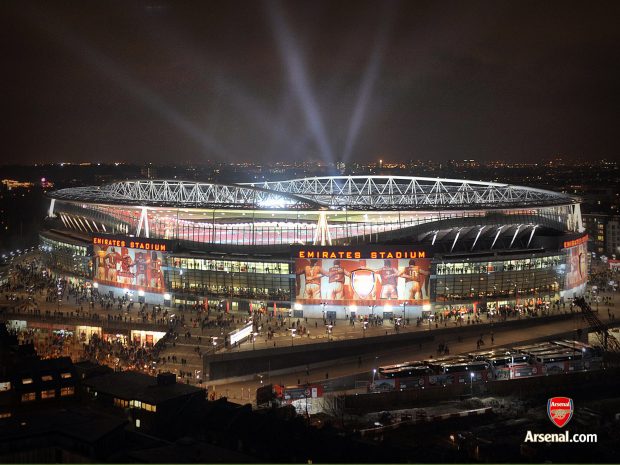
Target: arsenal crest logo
[[560, 410], [363, 282]]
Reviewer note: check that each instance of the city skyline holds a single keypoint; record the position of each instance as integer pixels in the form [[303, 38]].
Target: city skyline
[[292, 81]]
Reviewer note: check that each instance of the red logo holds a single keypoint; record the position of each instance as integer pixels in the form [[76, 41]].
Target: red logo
[[560, 410]]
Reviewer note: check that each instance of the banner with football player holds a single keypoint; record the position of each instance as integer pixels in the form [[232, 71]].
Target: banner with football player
[[129, 268], [576, 265], [362, 282]]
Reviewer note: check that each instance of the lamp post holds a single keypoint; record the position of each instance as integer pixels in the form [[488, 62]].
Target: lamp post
[[374, 372], [292, 330], [254, 340], [329, 332], [471, 384]]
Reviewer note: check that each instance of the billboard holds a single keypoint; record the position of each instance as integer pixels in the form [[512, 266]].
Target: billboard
[[362, 277], [576, 262], [129, 263]]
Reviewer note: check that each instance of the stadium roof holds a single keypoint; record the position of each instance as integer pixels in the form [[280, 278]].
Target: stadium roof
[[332, 192]]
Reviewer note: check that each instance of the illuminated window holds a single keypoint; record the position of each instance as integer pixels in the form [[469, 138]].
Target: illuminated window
[[5, 386], [27, 381], [67, 391], [29, 396], [121, 403], [5, 415], [135, 403], [65, 375], [149, 407], [47, 378], [48, 394]]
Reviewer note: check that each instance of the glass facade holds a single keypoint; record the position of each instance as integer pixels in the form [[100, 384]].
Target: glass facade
[[66, 257], [459, 281], [228, 279]]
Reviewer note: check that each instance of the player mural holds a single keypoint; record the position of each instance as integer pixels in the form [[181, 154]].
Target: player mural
[[138, 268], [577, 264], [375, 281]]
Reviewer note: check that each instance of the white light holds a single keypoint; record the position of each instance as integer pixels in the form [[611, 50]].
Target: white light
[[387, 308], [353, 308], [363, 282], [298, 306], [141, 293], [96, 285], [426, 307], [166, 296]]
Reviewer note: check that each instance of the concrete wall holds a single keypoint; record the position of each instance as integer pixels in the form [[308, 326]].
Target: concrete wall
[[279, 360]]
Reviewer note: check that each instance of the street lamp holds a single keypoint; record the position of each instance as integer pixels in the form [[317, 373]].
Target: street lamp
[[254, 339], [292, 330], [471, 377], [329, 332], [374, 372]]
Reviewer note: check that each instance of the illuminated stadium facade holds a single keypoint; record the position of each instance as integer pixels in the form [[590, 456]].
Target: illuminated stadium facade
[[330, 247]]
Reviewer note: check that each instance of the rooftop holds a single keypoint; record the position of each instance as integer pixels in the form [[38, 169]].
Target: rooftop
[[131, 385], [319, 193]]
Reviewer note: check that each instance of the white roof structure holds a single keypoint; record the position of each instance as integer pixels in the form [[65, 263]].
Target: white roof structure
[[320, 193]]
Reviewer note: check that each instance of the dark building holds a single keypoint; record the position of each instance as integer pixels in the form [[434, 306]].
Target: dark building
[[604, 231], [158, 405], [58, 435], [27, 381]]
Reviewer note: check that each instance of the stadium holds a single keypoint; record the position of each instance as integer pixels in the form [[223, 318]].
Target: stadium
[[331, 247]]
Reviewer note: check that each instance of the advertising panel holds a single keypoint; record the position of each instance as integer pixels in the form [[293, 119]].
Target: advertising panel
[[240, 334], [130, 263], [362, 277], [576, 262]]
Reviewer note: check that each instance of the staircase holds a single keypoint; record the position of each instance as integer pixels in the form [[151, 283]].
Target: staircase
[[609, 343]]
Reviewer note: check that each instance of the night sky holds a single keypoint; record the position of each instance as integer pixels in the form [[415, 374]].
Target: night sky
[[170, 82]]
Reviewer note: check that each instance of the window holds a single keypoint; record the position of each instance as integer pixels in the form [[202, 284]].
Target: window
[[47, 378], [65, 375], [135, 403], [5, 386], [29, 396], [137, 423], [27, 381], [149, 407], [67, 391], [5, 415], [121, 403], [48, 394]]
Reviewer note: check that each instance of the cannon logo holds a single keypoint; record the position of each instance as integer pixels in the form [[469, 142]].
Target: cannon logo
[[560, 410]]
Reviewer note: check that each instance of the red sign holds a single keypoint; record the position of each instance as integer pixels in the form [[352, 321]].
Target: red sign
[[576, 242], [132, 243], [560, 410]]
